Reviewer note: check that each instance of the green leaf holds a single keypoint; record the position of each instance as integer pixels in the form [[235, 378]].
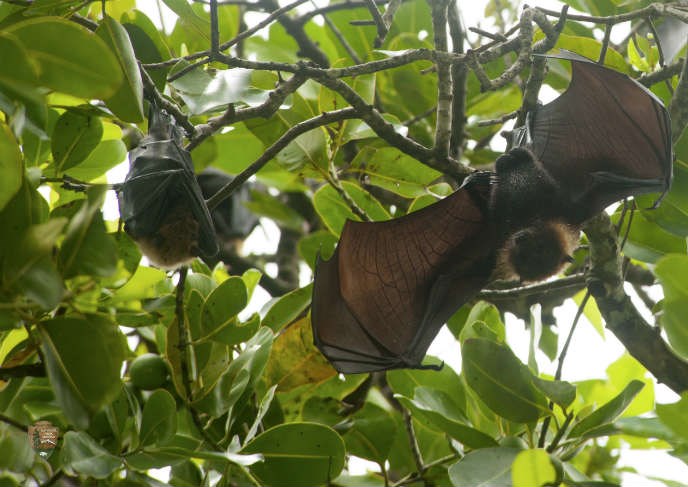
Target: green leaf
[[87, 248], [11, 173], [159, 421], [671, 271], [127, 102], [439, 409], [16, 453], [71, 58], [648, 242], [372, 434], [188, 17], [83, 360], [532, 468], [75, 136], [390, 169], [405, 381], [560, 392], [674, 416], [297, 454], [500, 379], [219, 321], [203, 92], [334, 211], [320, 243], [104, 157], [31, 269], [223, 391], [608, 412], [486, 467], [82, 455], [287, 308]]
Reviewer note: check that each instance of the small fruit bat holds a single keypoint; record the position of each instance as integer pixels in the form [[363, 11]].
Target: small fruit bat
[[232, 220], [160, 200], [390, 286]]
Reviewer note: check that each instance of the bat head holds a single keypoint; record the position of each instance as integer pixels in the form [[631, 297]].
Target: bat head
[[537, 252]]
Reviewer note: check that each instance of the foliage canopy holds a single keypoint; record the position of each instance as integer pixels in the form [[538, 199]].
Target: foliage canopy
[[346, 110]]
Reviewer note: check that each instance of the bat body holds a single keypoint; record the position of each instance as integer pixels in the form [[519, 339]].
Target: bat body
[[232, 220], [161, 202], [383, 296]]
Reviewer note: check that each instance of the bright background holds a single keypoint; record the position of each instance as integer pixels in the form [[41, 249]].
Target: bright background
[[589, 354]]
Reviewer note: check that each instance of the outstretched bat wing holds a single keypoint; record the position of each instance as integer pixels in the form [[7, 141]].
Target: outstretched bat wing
[[381, 299], [605, 138], [161, 190]]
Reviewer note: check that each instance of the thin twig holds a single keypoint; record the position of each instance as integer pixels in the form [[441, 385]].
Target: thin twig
[[413, 442], [379, 21], [293, 132]]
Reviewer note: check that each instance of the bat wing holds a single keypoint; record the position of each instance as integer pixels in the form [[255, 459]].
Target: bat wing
[[381, 299], [605, 138], [160, 179]]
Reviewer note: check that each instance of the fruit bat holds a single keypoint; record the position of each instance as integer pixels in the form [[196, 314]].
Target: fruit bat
[[160, 200], [387, 290], [232, 220]]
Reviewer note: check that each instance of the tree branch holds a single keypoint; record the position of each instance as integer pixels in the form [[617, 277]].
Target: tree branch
[[641, 340]]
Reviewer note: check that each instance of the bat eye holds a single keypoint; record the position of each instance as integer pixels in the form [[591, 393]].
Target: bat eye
[[569, 259]]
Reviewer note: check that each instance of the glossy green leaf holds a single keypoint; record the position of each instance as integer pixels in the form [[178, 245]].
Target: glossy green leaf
[[75, 136], [439, 409], [159, 420], [648, 242], [486, 467], [203, 92], [674, 416], [16, 453], [188, 17], [104, 157], [320, 243], [223, 391], [560, 392], [11, 172], [500, 379], [297, 454], [83, 360], [608, 412], [71, 59], [532, 468], [127, 102], [219, 312], [672, 273], [372, 433], [87, 248], [287, 308], [405, 381], [389, 168], [17, 68], [81, 454], [31, 269], [334, 210]]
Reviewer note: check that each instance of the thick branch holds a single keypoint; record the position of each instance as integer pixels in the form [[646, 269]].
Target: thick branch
[[605, 283], [444, 81]]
